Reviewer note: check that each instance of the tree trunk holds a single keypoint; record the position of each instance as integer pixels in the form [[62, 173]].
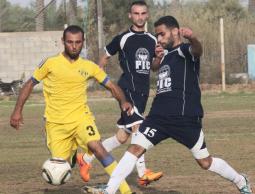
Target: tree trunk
[[100, 27], [39, 20], [72, 11], [251, 6]]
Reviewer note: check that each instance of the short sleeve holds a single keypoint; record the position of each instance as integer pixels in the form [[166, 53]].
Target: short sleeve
[[113, 47], [99, 74], [41, 71], [187, 51]]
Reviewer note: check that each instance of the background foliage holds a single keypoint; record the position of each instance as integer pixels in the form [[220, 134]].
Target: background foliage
[[202, 16]]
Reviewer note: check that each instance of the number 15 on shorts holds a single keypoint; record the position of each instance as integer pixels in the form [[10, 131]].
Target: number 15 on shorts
[[149, 132]]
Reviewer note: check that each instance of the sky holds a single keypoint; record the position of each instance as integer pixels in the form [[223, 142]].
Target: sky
[[25, 3]]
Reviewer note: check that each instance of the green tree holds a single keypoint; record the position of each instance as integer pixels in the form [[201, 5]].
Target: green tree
[[17, 18], [51, 15]]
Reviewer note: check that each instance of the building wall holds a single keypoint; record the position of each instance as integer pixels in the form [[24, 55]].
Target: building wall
[[21, 52]]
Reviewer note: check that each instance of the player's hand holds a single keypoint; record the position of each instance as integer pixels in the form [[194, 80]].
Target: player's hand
[[16, 120], [127, 107], [186, 33], [159, 51]]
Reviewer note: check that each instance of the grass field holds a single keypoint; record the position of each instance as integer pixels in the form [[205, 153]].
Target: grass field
[[229, 126]]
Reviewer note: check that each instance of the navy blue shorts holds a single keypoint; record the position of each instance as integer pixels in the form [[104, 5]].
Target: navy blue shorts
[[139, 101], [185, 130]]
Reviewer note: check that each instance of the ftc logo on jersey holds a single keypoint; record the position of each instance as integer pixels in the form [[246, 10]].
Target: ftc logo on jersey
[[164, 82], [142, 61]]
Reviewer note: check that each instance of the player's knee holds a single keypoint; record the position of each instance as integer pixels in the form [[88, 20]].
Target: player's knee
[[97, 149], [135, 128], [122, 137], [205, 163], [136, 150], [122, 140]]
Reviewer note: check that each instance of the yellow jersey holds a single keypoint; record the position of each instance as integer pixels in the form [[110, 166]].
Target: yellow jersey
[[65, 85]]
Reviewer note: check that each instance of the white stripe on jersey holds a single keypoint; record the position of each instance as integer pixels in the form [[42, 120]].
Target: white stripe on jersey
[[106, 52], [190, 51], [153, 37], [124, 39], [184, 78], [132, 77], [122, 44]]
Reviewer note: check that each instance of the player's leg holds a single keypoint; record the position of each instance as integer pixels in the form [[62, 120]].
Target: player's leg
[[222, 168], [60, 139], [219, 166], [116, 140], [122, 170], [125, 124], [132, 123], [193, 138], [73, 158], [144, 139], [88, 138], [110, 143], [144, 174]]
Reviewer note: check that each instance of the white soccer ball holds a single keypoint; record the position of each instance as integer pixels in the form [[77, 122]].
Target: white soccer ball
[[56, 171]]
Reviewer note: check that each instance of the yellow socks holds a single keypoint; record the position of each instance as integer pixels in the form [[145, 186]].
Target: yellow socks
[[124, 188]]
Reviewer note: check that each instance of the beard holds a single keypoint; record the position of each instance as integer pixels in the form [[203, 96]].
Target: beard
[[72, 55], [170, 45], [139, 24]]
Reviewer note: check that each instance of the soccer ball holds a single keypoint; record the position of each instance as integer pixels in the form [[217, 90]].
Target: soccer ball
[[56, 171]]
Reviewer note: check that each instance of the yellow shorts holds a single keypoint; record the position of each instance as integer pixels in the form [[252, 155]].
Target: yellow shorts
[[64, 139]]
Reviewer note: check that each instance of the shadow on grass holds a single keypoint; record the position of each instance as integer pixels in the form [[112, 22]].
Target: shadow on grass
[[132, 180], [156, 191], [71, 190]]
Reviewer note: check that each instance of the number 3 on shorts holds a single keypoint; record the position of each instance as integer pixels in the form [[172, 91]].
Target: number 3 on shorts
[[90, 130]]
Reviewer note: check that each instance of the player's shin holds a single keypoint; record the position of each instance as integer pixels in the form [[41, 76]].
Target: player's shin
[[109, 165], [140, 166], [123, 169], [109, 144], [222, 168]]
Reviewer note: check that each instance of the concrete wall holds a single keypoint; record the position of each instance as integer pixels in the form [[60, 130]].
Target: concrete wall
[[21, 52]]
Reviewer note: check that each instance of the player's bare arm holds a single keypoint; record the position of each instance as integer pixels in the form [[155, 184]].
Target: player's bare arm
[[16, 118], [119, 95], [103, 61], [159, 53], [196, 47]]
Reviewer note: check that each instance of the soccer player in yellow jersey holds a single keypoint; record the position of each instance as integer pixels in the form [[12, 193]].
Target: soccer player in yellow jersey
[[69, 122]]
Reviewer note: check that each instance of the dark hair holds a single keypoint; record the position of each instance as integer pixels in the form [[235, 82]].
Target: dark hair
[[168, 21], [74, 30], [142, 3]]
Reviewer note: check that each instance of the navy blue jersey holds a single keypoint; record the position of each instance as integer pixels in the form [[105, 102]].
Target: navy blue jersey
[[178, 92], [136, 51]]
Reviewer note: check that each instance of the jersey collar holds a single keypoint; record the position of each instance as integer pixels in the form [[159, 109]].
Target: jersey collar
[[137, 32], [173, 48], [65, 59]]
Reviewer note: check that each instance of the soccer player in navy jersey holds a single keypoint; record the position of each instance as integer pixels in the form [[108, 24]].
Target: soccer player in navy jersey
[[176, 111], [136, 50]]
